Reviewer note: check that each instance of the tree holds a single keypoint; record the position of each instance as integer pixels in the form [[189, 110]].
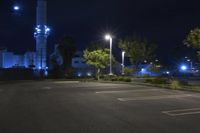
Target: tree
[[128, 71], [198, 54], [193, 39], [67, 50], [137, 49], [98, 58]]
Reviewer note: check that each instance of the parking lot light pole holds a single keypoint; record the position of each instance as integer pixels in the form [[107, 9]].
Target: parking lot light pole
[[109, 38], [123, 54]]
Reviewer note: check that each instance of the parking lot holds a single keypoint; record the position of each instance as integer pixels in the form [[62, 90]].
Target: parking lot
[[72, 106]]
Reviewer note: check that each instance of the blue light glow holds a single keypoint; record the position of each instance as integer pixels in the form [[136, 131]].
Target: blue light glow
[[167, 72], [16, 8], [79, 74], [38, 30], [42, 29], [47, 30], [143, 70], [89, 74], [183, 68], [46, 73]]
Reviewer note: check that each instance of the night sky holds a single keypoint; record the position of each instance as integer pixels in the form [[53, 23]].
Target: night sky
[[165, 22]]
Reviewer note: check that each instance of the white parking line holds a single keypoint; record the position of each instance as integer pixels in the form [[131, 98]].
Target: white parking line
[[47, 88], [125, 91], [65, 82], [181, 112], [155, 97]]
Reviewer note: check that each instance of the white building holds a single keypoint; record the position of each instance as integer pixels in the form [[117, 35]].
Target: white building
[[29, 59], [18, 60], [80, 66], [78, 61], [7, 59], [10, 60]]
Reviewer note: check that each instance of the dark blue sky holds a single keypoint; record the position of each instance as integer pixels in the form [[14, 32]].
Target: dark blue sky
[[165, 22]]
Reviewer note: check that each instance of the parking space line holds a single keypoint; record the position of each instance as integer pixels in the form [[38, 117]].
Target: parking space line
[[65, 82], [155, 97], [125, 91], [182, 112], [47, 88]]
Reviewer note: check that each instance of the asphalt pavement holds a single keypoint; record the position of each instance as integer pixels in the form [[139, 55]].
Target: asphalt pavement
[[86, 107]]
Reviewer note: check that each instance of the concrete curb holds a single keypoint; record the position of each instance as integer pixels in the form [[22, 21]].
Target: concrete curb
[[146, 84]]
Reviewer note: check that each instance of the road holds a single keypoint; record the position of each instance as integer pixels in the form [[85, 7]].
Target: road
[[77, 107]]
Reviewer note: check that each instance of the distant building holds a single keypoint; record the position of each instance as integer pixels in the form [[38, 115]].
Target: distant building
[[37, 59], [56, 56], [80, 66], [78, 61], [18, 60], [7, 59], [11, 60], [29, 59]]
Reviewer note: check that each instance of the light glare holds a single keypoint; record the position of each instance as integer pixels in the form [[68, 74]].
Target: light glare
[[107, 37], [16, 8], [183, 68]]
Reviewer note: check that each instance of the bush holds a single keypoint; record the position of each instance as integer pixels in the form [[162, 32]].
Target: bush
[[146, 76], [148, 81], [175, 84], [120, 78], [128, 71], [160, 80], [105, 77], [116, 78], [127, 79], [124, 79]]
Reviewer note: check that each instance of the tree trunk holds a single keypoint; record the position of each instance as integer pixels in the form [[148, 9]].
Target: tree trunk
[[98, 74]]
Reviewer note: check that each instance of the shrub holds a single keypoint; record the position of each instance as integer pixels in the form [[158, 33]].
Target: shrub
[[146, 76], [175, 84], [127, 79], [105, 77], [120, 78], [148, 81], [159, 80], [123, 79], [114, 78], [128, 71]]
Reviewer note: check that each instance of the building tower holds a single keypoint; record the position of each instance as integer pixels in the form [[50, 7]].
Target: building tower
[[41, 34]]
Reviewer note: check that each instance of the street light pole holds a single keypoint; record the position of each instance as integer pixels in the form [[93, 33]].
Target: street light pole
[[191, 64], [108, 37], [123, 53], [111, 57]]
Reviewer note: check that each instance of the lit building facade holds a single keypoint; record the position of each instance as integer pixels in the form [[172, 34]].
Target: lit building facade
[[11, 60], [37, 59], [81, 68]]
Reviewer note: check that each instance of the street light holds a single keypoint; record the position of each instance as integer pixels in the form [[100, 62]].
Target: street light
[[123, 53], [109, 38], [183, 68], [191, 64], [16, 8]]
